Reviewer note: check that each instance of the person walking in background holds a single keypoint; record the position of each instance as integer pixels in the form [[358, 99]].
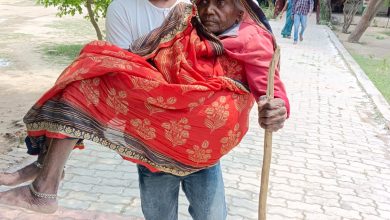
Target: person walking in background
[[300, 10], [279, 5], [286, 31]]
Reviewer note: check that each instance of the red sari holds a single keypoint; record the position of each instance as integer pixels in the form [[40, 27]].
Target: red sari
[[178, 108]]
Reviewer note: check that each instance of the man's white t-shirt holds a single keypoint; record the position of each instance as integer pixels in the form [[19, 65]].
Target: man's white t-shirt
[[128, 20]]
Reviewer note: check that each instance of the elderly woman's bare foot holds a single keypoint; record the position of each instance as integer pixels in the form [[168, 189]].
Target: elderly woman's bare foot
[[27, 197], [27, 173]]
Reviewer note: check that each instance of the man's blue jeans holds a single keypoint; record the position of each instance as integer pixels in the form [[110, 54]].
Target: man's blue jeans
[[299, 20], [203, 189]]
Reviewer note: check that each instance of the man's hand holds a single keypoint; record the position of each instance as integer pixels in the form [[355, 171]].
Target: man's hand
[[272, 113]]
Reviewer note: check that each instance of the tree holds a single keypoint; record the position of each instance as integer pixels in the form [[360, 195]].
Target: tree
[[318, 13], [368, 15], [95, 9], [349, 11], [325, 10]]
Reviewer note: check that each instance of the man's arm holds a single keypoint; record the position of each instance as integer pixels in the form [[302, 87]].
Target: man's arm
[[117, 27]]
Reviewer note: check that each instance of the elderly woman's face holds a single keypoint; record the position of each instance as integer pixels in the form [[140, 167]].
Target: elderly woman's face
[[218, 15]]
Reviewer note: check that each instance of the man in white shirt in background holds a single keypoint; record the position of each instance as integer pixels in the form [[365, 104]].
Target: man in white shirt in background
[[126, 21]]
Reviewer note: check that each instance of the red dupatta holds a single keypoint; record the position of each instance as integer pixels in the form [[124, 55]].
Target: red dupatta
[[178, 108]]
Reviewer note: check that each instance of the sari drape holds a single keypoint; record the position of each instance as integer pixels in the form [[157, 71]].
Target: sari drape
[[178, 106]]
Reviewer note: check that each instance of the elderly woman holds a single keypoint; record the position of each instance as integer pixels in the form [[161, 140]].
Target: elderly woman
[[176, 103]]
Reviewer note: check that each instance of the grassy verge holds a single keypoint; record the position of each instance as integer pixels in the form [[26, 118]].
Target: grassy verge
[[61, 53], [378, 70], [268, 11], [69, 51]]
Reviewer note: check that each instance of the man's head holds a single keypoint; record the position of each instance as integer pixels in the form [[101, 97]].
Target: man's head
[[219, 15]]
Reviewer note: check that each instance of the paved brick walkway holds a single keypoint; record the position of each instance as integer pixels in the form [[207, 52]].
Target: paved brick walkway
[[331, 161]]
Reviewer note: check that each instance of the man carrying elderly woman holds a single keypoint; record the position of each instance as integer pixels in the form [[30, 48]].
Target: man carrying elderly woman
[[175, 103]]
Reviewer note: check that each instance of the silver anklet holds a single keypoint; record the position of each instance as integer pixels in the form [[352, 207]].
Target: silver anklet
[[41, 195], [37, 164]]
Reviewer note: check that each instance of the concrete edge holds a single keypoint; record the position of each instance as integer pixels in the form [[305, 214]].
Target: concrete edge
[[378, 99]]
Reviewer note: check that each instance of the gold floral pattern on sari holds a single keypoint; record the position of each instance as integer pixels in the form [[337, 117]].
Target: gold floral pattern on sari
[[171, 61], [211, 94], [159, 101], [231, 140], [177, 132], [89, 88], [232, 68], [193, 105], [144, 128], [153, 109], [66, 71], [241, 101], [112, 62], [76, 75], [71, 74], [166, 57], [116, 63], [181, 61], [101, 43], [158, 104], [200, 102], [187, 78], [120, 53], [117, 101], [122, 150], [200, 154], [144, 84], [187, 88], [217, 114]]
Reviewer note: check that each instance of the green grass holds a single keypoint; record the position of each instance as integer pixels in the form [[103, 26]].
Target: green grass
[[268, 11], [386, 33], [378, 70], [379, 37], [62, 52]]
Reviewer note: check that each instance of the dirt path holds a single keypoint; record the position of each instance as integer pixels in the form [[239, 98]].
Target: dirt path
[[24, 71], [374, 43]]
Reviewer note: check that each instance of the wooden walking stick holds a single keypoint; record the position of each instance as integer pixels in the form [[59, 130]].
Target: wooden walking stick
[[267, 142]]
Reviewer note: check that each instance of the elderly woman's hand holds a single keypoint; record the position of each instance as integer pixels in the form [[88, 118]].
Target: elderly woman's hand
[[272, 113]]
